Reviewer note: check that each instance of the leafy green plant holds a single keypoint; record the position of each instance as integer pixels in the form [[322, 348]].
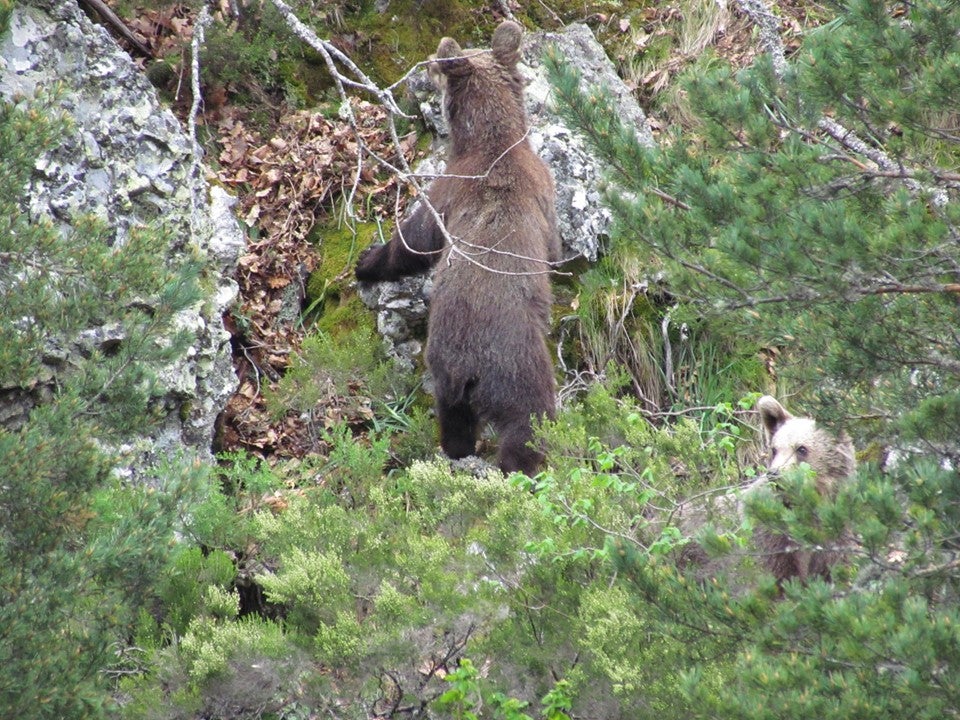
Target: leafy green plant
[[191, 582], [464, 693], [350, 377], [468, 693]]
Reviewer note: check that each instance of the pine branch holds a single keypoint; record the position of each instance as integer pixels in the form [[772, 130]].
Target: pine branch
[[768, 25]]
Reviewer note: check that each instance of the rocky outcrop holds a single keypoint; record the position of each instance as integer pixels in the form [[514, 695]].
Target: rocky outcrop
[[582, 218], [128, 161]]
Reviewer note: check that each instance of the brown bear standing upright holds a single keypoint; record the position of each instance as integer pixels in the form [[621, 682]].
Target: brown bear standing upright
[[490, 305]]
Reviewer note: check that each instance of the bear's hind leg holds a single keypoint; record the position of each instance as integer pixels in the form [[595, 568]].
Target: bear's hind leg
[[458, 429], [516, 455]]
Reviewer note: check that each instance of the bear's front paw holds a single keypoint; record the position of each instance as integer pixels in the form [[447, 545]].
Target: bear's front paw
[[368, 266]]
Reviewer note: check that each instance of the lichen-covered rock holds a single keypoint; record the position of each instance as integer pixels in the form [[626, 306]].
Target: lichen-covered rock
[[582, 218], [128, 161]]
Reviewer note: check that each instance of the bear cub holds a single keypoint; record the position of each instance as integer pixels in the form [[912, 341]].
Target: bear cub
[[490, 306], [789, 441]]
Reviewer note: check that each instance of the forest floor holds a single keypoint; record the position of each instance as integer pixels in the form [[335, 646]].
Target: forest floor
[[291, 169]]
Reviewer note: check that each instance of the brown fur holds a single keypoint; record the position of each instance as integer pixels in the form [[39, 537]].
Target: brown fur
[[490, 306], [789, 440]]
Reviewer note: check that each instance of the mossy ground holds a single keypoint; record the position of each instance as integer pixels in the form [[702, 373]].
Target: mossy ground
[[331, 301], [409, 30]]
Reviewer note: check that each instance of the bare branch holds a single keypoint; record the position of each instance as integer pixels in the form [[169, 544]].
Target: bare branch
[[111, 19], [769, 26], [486, 174], [328, 51], [197, 152]]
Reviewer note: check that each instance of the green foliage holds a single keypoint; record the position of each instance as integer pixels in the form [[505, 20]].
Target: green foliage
[[612, 436], [778, 234], [328, 367], [468, 693], [882, 645], [350, 376], [210, 645], [79, 551], [770, 226], [382, 581], [254, 57], [603, 490], [190, 581], [6, 10], [565, 589], [627, 316]]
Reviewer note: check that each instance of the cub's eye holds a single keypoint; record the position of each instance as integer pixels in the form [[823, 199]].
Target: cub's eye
[[802, 451]]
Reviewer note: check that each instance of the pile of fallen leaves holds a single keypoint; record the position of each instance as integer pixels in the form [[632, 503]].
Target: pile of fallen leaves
[[309, 163], [286, 184]]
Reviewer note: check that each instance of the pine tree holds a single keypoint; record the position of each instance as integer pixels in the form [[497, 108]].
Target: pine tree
[[813, 209], [78, 550], [777, 219]]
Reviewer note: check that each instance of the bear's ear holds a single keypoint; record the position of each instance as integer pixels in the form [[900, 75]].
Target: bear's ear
[[506, 43], [449, 58], [847, 451], [772, 414]]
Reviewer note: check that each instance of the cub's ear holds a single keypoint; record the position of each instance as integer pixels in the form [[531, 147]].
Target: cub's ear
[[506, 43], [449, 59], [772, 414]]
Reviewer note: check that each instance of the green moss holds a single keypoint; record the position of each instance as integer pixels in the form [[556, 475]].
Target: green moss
[[331, 301], [386, 44], [347, 314], [409, 31], [339, 245], [304, 77]]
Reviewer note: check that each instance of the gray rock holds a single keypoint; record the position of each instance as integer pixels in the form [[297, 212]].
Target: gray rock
[[128, 161], [581, 216]]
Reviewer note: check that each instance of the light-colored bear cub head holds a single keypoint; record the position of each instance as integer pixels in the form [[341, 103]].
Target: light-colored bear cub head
[[793, 440], [790, 441]]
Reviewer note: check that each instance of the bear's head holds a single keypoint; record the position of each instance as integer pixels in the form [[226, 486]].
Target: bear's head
[[793, 440], [482, 92]]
